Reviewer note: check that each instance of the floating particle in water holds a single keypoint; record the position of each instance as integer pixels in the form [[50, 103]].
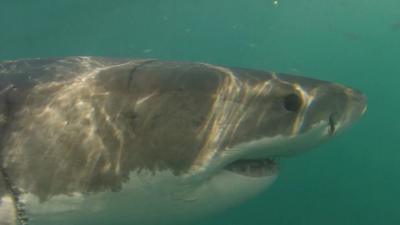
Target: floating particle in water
[[275, 3], [354, 36], [251, 45], [147, 50], [396, 26], [295, 70]]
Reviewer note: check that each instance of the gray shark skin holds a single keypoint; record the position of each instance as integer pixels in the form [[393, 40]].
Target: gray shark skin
[[87, 140]]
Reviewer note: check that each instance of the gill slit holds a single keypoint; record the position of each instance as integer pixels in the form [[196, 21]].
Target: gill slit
[[22, 218]]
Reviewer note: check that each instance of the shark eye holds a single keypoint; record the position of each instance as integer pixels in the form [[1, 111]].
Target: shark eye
[[292, 102]]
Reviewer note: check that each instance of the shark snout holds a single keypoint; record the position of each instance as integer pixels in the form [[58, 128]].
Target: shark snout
[[353, 110], [358, 104]]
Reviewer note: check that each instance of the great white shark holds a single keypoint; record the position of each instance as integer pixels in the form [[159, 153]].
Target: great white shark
[[89, 140]]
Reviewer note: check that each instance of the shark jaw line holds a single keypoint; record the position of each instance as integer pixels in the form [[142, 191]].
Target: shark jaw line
[[256, 168], [258, 159]]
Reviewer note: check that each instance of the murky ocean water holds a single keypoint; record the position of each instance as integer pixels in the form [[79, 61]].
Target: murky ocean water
[[354, 179]]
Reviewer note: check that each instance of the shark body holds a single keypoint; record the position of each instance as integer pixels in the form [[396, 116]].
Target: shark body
[[87, 140]]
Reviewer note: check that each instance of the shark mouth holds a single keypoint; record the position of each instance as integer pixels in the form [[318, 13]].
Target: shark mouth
[[253, 167]]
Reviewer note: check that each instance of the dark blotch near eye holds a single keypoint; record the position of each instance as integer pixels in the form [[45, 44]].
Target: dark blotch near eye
[[293, 102], [132, 118]]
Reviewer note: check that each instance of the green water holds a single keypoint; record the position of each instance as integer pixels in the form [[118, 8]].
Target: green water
[[354, 179]]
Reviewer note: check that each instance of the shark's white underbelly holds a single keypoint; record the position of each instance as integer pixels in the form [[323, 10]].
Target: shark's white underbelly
[[148, 199]]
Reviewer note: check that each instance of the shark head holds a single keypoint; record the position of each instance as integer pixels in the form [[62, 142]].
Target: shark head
[[179, 140], [257, 117], [229, 126]]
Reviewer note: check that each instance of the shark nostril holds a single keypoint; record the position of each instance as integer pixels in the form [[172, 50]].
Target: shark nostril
[[332, 123]]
